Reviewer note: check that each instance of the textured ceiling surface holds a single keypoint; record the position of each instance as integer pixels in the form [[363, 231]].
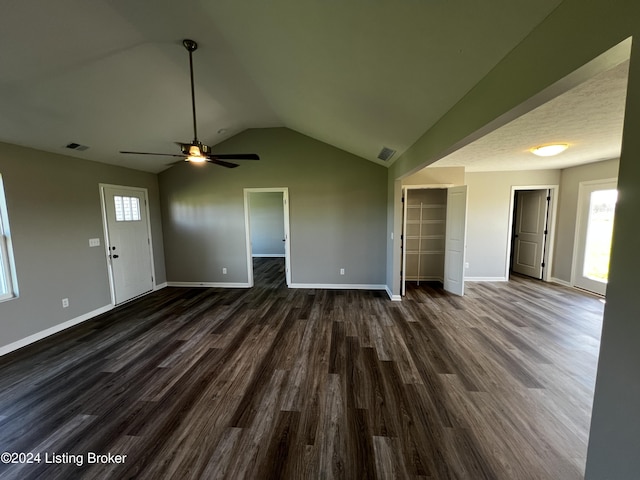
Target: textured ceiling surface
[[589, 118], [359, 75]]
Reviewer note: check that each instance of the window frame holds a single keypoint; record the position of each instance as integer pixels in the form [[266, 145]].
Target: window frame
[[8, 284]]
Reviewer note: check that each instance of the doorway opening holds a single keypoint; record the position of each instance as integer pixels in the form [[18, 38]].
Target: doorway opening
[[433, 236], [531, 216], [267, 235]]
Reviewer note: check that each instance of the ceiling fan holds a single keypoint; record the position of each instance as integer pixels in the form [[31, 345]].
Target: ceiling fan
[[196, 151]]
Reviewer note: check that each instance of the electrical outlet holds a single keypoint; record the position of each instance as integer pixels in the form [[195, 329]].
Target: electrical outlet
[[466, 265], [224, 270], [342, 271], [65, 302]]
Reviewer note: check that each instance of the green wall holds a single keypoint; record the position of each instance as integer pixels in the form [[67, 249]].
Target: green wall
[[54, 209], [337, 212]]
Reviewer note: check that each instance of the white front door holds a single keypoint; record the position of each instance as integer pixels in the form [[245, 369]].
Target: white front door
[[596, 208], [127, 241], [455, 239], [530, 232]]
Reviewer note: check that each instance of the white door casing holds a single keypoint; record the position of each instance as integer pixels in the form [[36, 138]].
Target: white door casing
[[530, 232], [127, 241], [552, 215], [403, 240], [287, 235], [581, 279], [455, 240]]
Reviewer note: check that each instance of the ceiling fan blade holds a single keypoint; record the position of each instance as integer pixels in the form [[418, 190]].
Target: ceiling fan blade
[[221, 163], [150, 153], [196, 150], [235, 156]]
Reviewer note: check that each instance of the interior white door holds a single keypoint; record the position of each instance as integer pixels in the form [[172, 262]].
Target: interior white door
[[531, 219], [128, 242], [287, 239], [455, 239], [596, 208]]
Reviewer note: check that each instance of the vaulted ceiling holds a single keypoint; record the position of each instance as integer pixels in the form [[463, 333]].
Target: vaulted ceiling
[[359, 75]]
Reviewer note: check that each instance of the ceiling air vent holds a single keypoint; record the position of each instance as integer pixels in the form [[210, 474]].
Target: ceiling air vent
[[386, 153], [76, 146]]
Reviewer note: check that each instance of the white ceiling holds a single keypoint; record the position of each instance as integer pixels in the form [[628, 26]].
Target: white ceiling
[[360, 75], [589, 118]]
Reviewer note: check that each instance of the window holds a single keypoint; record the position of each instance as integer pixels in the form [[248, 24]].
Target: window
[[602, 206], [127, 209], [7, 272]]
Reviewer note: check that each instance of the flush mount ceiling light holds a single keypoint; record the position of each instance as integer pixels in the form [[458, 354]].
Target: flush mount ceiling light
[[549, 150]]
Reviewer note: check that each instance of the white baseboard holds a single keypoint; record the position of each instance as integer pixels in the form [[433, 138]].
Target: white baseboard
[[55, 329], [486, 279], [394, 298], [564, 283], [338, 286], [208, 284], [160, 287], [268, 255]]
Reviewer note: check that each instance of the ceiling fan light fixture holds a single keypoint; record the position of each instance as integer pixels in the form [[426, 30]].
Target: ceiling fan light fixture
[[195, 151], [195, 154], [549, 150]]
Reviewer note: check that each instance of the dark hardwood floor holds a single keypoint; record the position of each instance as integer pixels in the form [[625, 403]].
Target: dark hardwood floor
[[272, 383]]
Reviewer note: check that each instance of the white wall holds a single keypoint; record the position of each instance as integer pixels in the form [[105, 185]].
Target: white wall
[[489, 196]]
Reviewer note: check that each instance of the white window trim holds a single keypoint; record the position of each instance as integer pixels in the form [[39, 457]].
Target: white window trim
[[7, 267], [5, 270]]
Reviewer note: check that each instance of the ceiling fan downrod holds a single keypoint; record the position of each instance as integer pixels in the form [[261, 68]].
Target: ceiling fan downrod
[[191, 47]]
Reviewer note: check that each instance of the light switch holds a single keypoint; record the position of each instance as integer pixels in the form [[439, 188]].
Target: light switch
[[94, 242]]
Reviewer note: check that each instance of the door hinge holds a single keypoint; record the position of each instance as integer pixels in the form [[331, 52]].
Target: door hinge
[[548, 198], [543, 265], [546, 232]]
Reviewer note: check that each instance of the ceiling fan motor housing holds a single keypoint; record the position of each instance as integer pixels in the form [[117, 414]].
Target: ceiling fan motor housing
[[185, 148]]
